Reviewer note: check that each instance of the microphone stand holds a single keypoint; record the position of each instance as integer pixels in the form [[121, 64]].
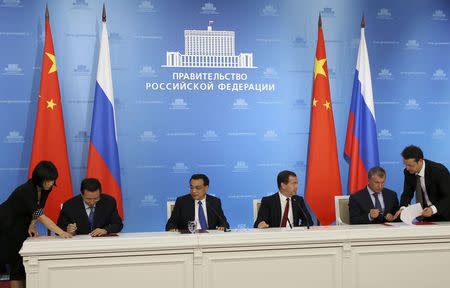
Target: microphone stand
[[289, 222], [226, 229], [294, 199]]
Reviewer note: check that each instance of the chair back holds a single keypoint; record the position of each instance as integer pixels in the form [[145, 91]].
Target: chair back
[[342, 210], [256, 205], [170, 206]]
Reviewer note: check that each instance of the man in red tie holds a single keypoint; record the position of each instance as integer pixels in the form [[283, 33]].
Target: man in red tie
[[284, 208]]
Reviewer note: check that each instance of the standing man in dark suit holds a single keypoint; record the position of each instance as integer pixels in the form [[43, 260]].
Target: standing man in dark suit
[[430, 181], [284, 208], [373, 204], [91, 212], [205, 210]]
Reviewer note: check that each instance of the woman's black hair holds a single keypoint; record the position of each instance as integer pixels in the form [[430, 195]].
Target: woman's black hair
[[44, 171]]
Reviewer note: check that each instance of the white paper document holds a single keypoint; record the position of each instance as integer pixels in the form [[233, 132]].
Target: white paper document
[[410, 213]]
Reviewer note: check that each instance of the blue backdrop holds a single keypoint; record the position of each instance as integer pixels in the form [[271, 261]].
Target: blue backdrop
[[238, 125]]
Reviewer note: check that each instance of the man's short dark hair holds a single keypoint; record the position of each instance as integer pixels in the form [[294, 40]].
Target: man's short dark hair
[[283, 177], [44, 171], [378, 171], [412, 152], [91, 185], [200, 176]]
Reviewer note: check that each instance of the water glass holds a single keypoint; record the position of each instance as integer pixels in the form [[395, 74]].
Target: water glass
[[192, 226]]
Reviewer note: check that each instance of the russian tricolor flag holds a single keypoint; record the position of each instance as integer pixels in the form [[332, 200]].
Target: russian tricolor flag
[[103, 158], [361, 145]]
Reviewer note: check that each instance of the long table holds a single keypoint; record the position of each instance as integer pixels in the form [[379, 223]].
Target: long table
[[335, 256]]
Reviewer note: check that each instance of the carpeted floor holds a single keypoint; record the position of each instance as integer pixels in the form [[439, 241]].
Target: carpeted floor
[[4, 284]]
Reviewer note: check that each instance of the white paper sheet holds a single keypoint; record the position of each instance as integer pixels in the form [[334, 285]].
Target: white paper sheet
[[410, 213]]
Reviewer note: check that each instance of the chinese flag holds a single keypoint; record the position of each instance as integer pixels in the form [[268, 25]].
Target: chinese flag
[[49, 142], [322, 180]]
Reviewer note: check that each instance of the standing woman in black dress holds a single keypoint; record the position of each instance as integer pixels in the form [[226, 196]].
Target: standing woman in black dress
[[18, 217]]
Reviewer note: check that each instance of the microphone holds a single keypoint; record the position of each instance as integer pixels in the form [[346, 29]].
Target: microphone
[[294, 199], [222, 220], [289, 222]]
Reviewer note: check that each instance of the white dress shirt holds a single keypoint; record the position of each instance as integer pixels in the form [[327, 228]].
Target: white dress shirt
[[88, 209]]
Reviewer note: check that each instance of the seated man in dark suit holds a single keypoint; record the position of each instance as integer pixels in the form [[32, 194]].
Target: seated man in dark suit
[[284, 208], [205, 210], [91, 212], [373, 204]]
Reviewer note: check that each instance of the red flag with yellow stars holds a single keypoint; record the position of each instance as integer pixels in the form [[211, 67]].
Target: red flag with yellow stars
[[49, 142], [322, 180]]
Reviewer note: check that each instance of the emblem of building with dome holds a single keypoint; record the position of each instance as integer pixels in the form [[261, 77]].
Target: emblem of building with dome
[[209, 49]]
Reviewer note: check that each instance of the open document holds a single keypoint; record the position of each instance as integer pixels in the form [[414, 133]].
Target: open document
[[410, 213]]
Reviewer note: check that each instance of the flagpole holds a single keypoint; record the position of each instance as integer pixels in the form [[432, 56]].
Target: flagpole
[[322, 147], [103, 155], [104, 13], [49, 138], [361, 143]]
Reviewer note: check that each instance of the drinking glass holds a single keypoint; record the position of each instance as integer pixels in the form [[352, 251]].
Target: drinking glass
[[192, 226]]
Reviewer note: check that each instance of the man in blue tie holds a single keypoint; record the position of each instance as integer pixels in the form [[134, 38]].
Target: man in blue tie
[[91, 212], [373, 204], [198, 206]]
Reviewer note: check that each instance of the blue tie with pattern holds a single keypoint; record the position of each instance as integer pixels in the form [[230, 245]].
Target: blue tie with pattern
[[378, 203], [91, 218], [201, 216]]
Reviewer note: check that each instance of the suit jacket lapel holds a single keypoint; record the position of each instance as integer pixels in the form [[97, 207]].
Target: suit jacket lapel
[[191, 213], [98, 209], [277, 210], [368, 199], [387, 201], [428, 179], [84, 216], [210, 214], [295, 210]]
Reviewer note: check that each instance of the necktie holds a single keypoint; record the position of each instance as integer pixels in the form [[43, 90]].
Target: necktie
[[201, 216], [419, 192], [91, 218], [285, 214], [378, 203]]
